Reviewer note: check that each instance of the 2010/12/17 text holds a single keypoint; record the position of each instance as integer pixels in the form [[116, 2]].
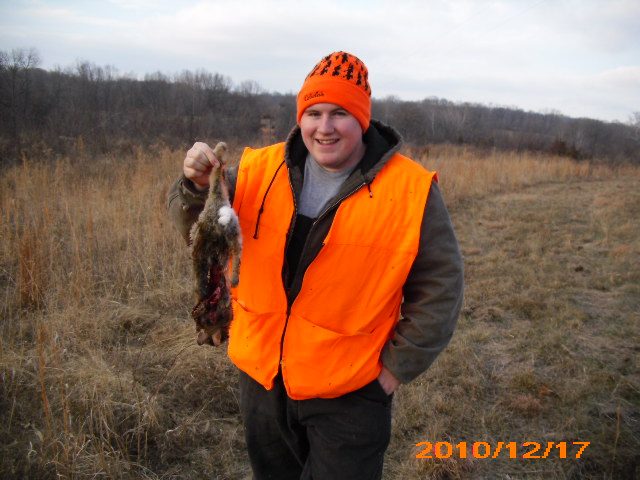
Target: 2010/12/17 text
[[527, 450]]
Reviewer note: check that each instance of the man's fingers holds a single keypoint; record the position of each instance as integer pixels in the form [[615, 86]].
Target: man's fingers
[[207, 161], [198, 163], [206, 155], [197, 160], [193, 173]]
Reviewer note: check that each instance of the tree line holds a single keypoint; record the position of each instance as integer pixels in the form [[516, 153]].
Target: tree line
[[99, 110]]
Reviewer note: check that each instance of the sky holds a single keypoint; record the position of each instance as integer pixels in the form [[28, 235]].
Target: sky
[[580, 58]]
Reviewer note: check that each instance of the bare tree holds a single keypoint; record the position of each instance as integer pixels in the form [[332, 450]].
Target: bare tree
[[15, 71], [111, 110]]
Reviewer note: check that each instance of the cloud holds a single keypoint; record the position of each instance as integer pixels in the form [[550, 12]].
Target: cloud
[[517, 52], [57, 16], [610, 26], [619, 78]]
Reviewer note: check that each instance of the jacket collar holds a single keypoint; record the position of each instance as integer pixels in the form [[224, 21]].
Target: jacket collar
[[382, 141]]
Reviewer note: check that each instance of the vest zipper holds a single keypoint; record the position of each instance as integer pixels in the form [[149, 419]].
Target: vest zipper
[[286, 269], [320, 217], [317, 220], [292, 226]]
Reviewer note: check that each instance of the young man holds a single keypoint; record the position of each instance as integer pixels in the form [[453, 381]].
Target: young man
[[351, 279]]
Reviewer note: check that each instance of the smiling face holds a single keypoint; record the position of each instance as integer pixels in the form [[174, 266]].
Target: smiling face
[[332, 135]]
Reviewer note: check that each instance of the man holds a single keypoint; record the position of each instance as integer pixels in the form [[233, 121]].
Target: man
[[351, 279]]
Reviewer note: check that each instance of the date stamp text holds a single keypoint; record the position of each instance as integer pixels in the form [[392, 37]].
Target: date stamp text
[[527, 450]]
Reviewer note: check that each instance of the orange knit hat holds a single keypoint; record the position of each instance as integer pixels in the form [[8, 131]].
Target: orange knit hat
[[342, 79]]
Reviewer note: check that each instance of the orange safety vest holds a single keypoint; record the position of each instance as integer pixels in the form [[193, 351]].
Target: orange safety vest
[[330, 342]]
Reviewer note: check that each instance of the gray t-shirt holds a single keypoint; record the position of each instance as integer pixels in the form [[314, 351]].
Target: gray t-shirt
[[320, 186]]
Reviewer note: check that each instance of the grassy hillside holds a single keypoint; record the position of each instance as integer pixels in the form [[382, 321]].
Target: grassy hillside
[[101, 376]]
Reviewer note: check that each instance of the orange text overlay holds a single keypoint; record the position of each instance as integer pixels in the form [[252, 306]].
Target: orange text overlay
[[504, 449]]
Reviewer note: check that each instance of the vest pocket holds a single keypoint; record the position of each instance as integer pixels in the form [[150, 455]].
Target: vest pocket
[[254, 342], [318, 362]]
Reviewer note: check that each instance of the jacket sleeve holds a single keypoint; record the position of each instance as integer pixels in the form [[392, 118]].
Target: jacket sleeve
[[184, 202], [433, 296]]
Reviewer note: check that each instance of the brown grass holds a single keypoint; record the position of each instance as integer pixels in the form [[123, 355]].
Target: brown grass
[[101, 377]]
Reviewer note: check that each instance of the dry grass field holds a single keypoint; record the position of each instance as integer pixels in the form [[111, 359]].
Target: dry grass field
[[102, 378]]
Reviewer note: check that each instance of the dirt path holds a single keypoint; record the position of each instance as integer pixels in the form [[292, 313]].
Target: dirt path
[[547, 346]]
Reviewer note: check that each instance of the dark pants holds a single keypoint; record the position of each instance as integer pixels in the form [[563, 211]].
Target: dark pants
[[316, 439]]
